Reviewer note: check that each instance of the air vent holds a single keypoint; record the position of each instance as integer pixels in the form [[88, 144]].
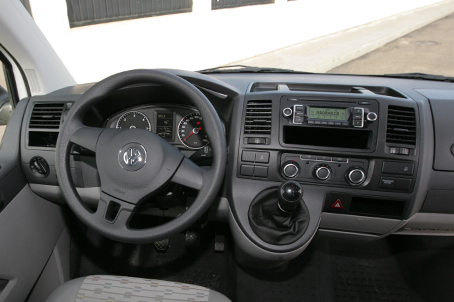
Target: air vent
[[46, 116], [401, 128], [258, 117]]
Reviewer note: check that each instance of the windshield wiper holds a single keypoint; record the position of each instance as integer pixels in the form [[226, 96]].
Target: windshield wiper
[[420, 76], [249, 69]]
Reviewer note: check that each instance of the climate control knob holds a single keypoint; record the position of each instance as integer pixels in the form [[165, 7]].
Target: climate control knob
[[290, 169], [322, 172], [355, 176]]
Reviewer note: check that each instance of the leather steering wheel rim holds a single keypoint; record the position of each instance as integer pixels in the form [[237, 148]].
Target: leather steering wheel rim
[[161, 162]]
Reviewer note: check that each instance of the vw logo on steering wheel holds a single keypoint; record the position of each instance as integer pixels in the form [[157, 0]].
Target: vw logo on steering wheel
[[132, 157]]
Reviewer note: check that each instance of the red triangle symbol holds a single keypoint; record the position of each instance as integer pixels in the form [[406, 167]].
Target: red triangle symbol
[[337, 205]]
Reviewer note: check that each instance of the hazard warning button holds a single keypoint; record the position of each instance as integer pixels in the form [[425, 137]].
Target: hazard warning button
[[337, 205]]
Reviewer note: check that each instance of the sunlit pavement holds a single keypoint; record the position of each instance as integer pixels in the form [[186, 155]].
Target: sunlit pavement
[[426, 50]]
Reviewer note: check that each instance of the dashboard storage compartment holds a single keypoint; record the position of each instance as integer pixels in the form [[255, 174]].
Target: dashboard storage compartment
[[377, 207], [341, 203], [328, 137], [42, 139]]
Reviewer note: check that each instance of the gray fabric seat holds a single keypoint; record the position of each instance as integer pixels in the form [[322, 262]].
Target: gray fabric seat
[[128, 289]]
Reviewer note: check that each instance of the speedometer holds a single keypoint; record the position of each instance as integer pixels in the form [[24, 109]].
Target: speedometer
[[191, 131], [132, 120]]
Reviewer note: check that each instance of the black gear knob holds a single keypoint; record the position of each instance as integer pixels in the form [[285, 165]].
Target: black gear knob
[[290, 195]]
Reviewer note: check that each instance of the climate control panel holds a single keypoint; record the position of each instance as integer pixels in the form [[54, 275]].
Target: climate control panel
[[335, 170]]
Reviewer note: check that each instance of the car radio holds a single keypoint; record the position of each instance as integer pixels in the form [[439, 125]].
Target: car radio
[[331, 123], [302, 114]]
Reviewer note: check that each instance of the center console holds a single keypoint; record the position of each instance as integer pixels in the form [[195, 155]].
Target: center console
[[352, 149]]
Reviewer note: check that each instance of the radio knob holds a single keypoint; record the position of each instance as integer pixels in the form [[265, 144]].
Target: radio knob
[[290, 169], [287, 112], [322, 172], [372, 117], [355, 176]]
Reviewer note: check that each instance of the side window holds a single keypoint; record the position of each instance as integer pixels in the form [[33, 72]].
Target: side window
[[6, 108]]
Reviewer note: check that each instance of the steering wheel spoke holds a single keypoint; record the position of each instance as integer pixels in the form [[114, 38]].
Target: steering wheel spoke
[[114, 211], [189, 174], [87, 137]]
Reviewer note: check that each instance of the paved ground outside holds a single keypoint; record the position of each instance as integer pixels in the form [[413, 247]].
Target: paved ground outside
[[426, 50], [333, 50]]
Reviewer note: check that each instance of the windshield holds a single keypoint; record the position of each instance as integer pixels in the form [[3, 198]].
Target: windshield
[[95, 38]]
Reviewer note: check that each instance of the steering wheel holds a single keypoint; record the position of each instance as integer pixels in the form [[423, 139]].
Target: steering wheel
[[135, 163]]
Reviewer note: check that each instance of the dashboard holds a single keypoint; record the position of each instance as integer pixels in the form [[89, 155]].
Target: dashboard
[[374, 155]]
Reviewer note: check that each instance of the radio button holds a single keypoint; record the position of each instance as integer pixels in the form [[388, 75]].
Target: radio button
[[337, 124], [345, 124], [357, 110], [310, 122], [372, 116], [324, 123], [298, 119], [357, 117], [358, 123], [287, 112], [317, 122], [330, 123]]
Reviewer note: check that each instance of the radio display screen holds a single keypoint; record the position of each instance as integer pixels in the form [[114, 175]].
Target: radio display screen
[[328, 113]]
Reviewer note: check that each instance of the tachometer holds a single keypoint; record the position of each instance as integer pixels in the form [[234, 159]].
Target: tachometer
[[132, 120], [191, 131]]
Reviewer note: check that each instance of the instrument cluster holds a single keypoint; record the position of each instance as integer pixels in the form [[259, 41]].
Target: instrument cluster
[[182, 126]]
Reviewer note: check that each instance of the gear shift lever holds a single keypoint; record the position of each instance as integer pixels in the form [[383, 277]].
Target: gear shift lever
[[279, 215], [290, 195]]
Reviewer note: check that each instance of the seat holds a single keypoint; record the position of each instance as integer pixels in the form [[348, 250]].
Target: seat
[[128, 289]]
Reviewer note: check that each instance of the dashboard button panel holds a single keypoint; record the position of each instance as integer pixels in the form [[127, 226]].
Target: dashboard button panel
[[260, 171], [400, 168], [321, 168], [247, 170], [248, 156], [387, 183], [262, 157]]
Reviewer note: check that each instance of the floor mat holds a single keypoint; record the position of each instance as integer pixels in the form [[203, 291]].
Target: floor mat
[[330, 271], [94, 254], [398, 268]]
